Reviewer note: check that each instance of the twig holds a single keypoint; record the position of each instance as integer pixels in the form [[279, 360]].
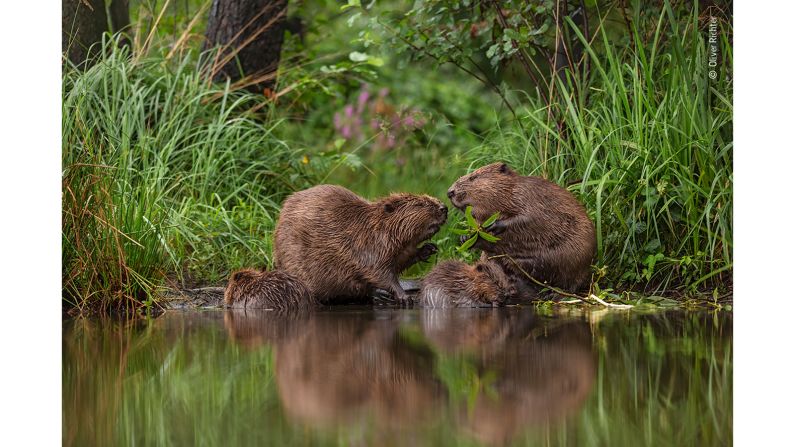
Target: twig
[[186, 33], [605, 303], [563, 292], [487, 82], [523, 58]]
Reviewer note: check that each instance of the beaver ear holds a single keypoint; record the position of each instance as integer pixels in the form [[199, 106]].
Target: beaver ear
[[241, 275], [389, 207], [503, 168]]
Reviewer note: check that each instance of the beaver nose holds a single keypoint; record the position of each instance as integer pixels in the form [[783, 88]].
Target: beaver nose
[[450, 193], [443, 209]]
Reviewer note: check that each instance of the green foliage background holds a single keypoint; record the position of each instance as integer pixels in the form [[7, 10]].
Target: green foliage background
[[170, 180]]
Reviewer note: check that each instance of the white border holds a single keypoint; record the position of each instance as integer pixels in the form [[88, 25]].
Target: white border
[[30, 329], [763, 222]]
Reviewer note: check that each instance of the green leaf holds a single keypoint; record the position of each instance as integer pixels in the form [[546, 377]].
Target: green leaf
[[470, 220], [351, 4], [460, 231], [493, 218], [468, 243], [356, 56], [488, 236]]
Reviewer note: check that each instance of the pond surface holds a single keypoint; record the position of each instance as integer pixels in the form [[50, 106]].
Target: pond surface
[[379, 377]]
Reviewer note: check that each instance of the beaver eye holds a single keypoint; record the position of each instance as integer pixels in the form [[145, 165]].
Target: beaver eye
[[472, 179]]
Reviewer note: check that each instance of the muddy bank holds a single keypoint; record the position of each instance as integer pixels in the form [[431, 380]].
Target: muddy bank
[[213, 297]]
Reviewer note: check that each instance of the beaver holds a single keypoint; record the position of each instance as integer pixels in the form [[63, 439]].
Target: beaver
[[249, 288], [543, 229], [457, 284], [341, 245]]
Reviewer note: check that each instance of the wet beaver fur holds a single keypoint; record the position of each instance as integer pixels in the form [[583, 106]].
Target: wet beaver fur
[[259, 289], [542, 226], [457, 284], [341, 245]]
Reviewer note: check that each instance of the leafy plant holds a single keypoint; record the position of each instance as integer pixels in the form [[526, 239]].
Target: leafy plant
[[473, 230]]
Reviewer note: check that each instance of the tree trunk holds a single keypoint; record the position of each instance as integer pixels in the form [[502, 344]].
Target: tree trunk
[[119, 11], [250, 35], [570, 48], [82, 25], [119, 15]]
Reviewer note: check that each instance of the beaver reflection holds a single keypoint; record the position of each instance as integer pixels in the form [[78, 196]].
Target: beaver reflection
[[343, 369], [541, 373], [365, 369]]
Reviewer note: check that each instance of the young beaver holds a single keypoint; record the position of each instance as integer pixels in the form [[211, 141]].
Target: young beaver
[[341, 245], [541, 226], [456, 284], [255, 289]]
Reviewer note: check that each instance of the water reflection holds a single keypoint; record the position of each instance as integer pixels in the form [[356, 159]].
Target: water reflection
[[537, 373], [338, 369], [398, 377]]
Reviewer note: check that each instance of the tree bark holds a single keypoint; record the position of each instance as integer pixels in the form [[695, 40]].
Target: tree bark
[[82, 25], [119, 11], [119, 15], [250, 34]]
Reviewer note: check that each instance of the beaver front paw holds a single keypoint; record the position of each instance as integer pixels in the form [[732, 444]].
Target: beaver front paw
[[426, 251], [383, 297], [497, 228]]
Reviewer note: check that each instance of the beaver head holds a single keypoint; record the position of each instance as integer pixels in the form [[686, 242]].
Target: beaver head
[[488, 190], [495, 285], [410, 218]]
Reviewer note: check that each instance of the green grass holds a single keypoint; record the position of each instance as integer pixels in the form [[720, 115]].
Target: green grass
[[164, 175]]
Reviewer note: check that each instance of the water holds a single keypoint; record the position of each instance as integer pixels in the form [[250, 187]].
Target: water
[[373, 377]]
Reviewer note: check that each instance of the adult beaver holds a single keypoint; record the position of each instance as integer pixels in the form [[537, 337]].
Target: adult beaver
[[542, 227], [341, 245], [260, 289], [456, 284]]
